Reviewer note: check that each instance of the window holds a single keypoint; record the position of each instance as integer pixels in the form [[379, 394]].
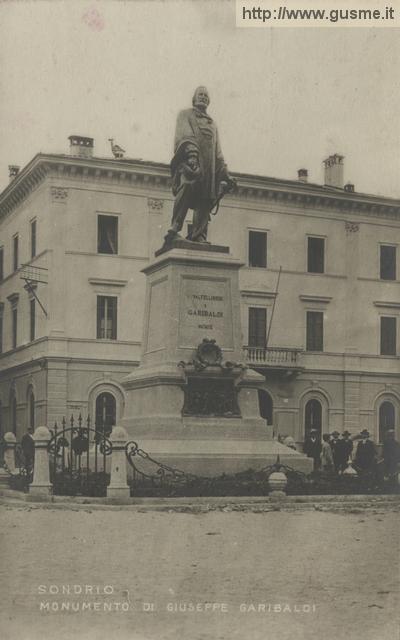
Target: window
[[1, 331], [388, 336], [386, 419], [257, 327], [313, 417], [257, 249], [14, 322], [1, 264], [107, 234], [31, 409], [315, 255], [388, 262], [106, 317], [105, 412], [15, 252], [32, 319], [33, 238], [315, 331]]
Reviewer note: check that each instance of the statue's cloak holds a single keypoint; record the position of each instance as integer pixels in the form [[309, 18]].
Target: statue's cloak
[[198, 129]]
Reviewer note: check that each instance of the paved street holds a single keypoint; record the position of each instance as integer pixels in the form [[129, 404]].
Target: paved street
[[288, 575]]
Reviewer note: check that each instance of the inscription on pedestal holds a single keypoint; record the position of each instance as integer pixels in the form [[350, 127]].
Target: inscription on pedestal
[[205, 311]]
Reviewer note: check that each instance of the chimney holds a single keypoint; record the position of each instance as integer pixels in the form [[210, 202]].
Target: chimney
[[303, 175], [334, 171], [81, 146], [349, 187], [13, 170]]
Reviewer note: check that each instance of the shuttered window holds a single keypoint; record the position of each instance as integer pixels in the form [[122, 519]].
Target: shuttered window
[[388, 336], [388, 263], [32, 319], [107, 234], [33, 238], [257, 249], [15, 252], [14, 327], [106, 318], [257, 326], [316, 255], [315, 331]]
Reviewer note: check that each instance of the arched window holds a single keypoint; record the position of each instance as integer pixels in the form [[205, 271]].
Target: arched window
[[105, 412], [386, 419], [266, 406], [31, 409], [313, 416]]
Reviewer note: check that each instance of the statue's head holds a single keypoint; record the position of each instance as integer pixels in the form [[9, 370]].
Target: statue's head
[[201, 98]]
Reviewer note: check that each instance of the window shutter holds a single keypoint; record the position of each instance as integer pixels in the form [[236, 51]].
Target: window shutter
[[388, 263], [388, 336], [257, 326], [315, 331], [315, 256]]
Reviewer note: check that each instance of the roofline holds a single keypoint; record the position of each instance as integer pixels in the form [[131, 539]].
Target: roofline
[[42, 163]]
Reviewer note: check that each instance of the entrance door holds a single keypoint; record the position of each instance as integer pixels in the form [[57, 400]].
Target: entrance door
[[313, 417], [105, 412]]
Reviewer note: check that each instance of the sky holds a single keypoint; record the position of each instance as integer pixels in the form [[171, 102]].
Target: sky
[[283, 98]]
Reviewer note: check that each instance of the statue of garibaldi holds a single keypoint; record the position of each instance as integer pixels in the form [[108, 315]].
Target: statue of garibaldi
[[200, 176]]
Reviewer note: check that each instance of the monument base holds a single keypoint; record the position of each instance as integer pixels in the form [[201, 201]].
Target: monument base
[[215, 456], [178, 242], [192, 404]]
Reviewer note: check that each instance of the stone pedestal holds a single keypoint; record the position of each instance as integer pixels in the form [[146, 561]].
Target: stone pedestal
[[41, 485], [9, 452], [118, 487], [191, 403]]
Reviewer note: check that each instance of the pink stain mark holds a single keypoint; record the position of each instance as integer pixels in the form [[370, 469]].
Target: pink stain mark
[[93, 19]]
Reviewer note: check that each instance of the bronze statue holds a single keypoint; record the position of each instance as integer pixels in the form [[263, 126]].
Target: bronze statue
[[200, 177]]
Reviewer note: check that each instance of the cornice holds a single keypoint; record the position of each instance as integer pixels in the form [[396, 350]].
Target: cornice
[[387, 305], [251, 293], [315, 298], [153, 176]]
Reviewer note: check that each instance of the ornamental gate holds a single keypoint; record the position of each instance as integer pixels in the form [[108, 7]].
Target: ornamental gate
[[79, 458]]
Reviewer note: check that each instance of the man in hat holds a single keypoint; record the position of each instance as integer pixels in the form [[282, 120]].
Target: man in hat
[[365, 458], [344, 451], [312, 448], [199, 173], [391, 455], [335, 446]]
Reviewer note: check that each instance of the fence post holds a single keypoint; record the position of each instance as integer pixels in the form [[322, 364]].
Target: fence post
[[41, 485], [118, 487], [10, 442]]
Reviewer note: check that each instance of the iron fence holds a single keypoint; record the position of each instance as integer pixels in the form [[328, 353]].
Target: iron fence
[[78, 458], [153, 478]]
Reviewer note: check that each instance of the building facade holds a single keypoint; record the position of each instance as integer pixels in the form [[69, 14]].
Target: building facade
[[320, 291]]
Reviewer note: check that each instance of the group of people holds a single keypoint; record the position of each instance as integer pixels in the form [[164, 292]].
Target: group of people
[[335, 452]]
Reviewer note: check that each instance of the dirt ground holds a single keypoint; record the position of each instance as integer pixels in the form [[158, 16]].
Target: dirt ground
[[266, 576]]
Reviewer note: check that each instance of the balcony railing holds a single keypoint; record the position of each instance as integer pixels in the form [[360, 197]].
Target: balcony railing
[[272, 356]]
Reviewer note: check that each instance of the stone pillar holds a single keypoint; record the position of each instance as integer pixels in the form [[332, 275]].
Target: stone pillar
[[118, 487], [9, 452], [41, 485]]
